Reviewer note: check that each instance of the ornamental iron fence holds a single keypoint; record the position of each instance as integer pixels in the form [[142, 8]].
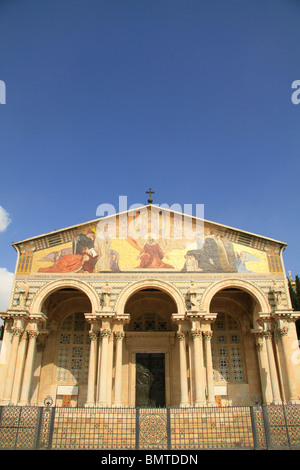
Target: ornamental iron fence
[[252, 427]]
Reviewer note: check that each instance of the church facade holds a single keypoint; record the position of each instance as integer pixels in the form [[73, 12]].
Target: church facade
[[149, 308]]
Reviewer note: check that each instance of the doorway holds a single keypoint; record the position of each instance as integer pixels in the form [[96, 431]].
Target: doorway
[[150, 380]]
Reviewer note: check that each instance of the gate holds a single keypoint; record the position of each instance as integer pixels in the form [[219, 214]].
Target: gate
[[258, 427]]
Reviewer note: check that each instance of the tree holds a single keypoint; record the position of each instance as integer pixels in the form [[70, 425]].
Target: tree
[[294, 289]]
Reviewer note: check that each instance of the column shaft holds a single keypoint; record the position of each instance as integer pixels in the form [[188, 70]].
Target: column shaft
[[263, 368], [209, 369], [17, 333], [198, 362], [119, 335], [183, 369], [105, 334], [283, 343], [28, 371], [19, 369], [272, 368], [92, 369]]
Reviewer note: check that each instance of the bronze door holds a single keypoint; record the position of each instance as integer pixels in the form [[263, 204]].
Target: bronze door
[[150, 380]]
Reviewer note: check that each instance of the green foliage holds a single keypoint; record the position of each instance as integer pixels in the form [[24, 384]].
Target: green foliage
[[295, 299], [295, 293]]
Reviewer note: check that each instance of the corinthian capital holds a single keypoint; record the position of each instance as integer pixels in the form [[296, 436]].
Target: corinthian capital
[[181, 335], [207, 335], [93, 335], [17, 331], [105, 333], [119, 335], [32, 333], [196, 333]]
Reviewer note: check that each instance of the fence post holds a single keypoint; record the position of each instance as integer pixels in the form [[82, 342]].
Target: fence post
[[286, 425], [137, 429], [267, 428], [169, 445], [45, 428], [51, 427], [19, 408], [253, 424], [37, 445]]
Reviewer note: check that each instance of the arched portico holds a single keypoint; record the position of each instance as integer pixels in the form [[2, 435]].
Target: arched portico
[[150, 336], [60, 284], [163, 286], [236, 372], [256, 293]]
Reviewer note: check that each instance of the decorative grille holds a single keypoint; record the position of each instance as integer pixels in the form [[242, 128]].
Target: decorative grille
[[73, 350], [267, 427], [226, 350], [149, 322]]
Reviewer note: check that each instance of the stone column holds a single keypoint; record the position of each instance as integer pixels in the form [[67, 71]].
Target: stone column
[[119, 335], [91, 318], [272, 368], [288, 369], [17, 333], [19, 369], [209, 369], [184, 400], [28, 371], [200, 399], [92, 368], [105, 335], [263, 365]]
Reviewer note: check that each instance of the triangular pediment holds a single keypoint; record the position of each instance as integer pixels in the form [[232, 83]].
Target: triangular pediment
[[153, 238]]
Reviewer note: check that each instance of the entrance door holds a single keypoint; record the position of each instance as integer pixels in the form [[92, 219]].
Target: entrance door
[[150, 380]]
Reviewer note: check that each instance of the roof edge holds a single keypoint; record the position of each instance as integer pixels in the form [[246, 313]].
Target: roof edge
[[14, 244]]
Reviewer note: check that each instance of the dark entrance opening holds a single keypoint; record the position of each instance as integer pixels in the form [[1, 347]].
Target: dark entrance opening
[[150, 380]]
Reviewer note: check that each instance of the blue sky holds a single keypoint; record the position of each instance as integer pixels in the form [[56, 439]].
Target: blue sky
[[190, 97]]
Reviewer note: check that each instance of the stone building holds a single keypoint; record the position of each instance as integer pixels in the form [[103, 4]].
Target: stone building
[[149, 308]]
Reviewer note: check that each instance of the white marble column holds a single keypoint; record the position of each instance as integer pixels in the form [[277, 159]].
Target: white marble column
[[19, 369], [288, 366], [17, 333], [119, 335], [92, 368], [105, 335], [184, 400], [28, 370], [200, 399], [272, 368], [263, 365], [211, 401]]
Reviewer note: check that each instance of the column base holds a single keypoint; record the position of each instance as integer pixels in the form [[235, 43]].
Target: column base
[[90, 404], [23, 403], [200, 404], [6, 402], [212, 403]]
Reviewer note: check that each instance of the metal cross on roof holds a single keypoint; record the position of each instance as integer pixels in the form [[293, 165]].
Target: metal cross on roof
[[150, 192]]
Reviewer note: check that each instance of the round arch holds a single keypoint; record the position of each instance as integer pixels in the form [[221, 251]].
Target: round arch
[[150, 284], [51, 287], [246, 286]]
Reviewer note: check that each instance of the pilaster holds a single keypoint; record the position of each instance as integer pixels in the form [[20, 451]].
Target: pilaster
[[284, 340], [19, 319]]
